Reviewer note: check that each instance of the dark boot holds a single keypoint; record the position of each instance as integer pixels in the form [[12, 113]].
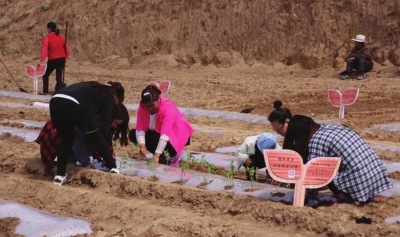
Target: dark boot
[[45, 85], [59, 86]]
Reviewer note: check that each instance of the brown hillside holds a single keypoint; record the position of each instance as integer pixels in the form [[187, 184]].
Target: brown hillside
[[224, 33]]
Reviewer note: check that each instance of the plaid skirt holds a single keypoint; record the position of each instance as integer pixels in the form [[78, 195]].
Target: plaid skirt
[[361, 174], [50, 141]]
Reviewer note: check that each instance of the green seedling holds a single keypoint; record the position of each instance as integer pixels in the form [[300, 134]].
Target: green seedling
[[232, 167], [203, 161], [115, 143], [210, 170], [136, 144], [124, 163], [229, 173], [153, 166], [44, 7], [252, 173], [229, 176], [191, 158], [184, 169], [167, 156]]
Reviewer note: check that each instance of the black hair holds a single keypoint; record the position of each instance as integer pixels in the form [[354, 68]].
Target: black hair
[[53, 27], [279, 113], [103, 90], [121, 131], [150, 94], [119, 91], [298, 135]]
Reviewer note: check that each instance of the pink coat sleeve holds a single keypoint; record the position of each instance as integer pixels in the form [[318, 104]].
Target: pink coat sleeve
[[139, 122], [45, 47], [168, 120]]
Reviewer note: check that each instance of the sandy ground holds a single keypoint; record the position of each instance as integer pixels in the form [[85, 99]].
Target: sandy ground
[[118, 205]]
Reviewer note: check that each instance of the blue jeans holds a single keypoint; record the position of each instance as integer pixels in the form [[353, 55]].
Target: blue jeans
[[81, 148]]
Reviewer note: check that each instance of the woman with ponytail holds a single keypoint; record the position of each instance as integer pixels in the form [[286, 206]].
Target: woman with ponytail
[[160, 127], [89, 107], [279, 118], [57, 52]]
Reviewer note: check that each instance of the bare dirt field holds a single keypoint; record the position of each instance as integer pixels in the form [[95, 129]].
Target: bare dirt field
[[119, 204]]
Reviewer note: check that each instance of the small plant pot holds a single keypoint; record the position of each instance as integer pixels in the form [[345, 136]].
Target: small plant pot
[[252, 189], [152, 178], [228, 187], [179, 182], [204, 184], [278, 194]]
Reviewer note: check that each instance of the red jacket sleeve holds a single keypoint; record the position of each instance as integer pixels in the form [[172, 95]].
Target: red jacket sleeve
[[45, 48]]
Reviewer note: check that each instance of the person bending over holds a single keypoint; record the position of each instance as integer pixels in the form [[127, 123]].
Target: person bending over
[[160, 127]]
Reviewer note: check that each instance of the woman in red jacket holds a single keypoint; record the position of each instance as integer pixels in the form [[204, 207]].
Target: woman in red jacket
[[57, 51]]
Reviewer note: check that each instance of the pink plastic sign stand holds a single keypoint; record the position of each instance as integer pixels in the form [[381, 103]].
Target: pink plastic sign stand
[[348, 97], [287, 166], [35, 73], [153, 83], [163, 86]]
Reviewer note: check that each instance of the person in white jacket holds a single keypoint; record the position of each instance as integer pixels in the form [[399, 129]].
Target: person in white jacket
[[250, 153]]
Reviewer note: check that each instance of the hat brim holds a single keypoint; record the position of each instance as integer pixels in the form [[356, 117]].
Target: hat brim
[[361, 41]]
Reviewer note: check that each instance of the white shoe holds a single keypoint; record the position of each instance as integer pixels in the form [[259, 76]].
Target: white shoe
[[60, 180], [114, 171]]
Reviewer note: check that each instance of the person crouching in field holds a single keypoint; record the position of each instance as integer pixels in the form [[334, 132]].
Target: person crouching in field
[[250, 153], [361, 174], [118, 129], [83, 147], [89, 106], [359, 59], [160, 127]]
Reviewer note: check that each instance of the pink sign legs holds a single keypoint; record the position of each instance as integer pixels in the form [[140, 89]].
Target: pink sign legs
[[35, 73]]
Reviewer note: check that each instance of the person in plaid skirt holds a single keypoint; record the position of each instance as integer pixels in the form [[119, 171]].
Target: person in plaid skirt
[[49, 142], [361, 174]]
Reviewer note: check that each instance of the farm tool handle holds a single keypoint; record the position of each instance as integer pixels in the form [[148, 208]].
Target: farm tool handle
[[65, 49], [19, 87]]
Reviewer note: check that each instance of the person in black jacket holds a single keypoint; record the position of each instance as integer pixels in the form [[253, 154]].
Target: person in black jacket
[[88, 106]]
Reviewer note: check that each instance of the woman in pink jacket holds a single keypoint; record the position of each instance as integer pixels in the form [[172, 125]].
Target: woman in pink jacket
[[160, 127]]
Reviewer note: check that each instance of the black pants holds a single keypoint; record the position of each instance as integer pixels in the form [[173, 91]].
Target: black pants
[[333, 188], [57, 64], [361, 65], [257, 161], [65, 115], [151, 139]]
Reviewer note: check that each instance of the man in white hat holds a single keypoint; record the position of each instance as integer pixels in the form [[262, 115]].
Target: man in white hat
[[359, 59]]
